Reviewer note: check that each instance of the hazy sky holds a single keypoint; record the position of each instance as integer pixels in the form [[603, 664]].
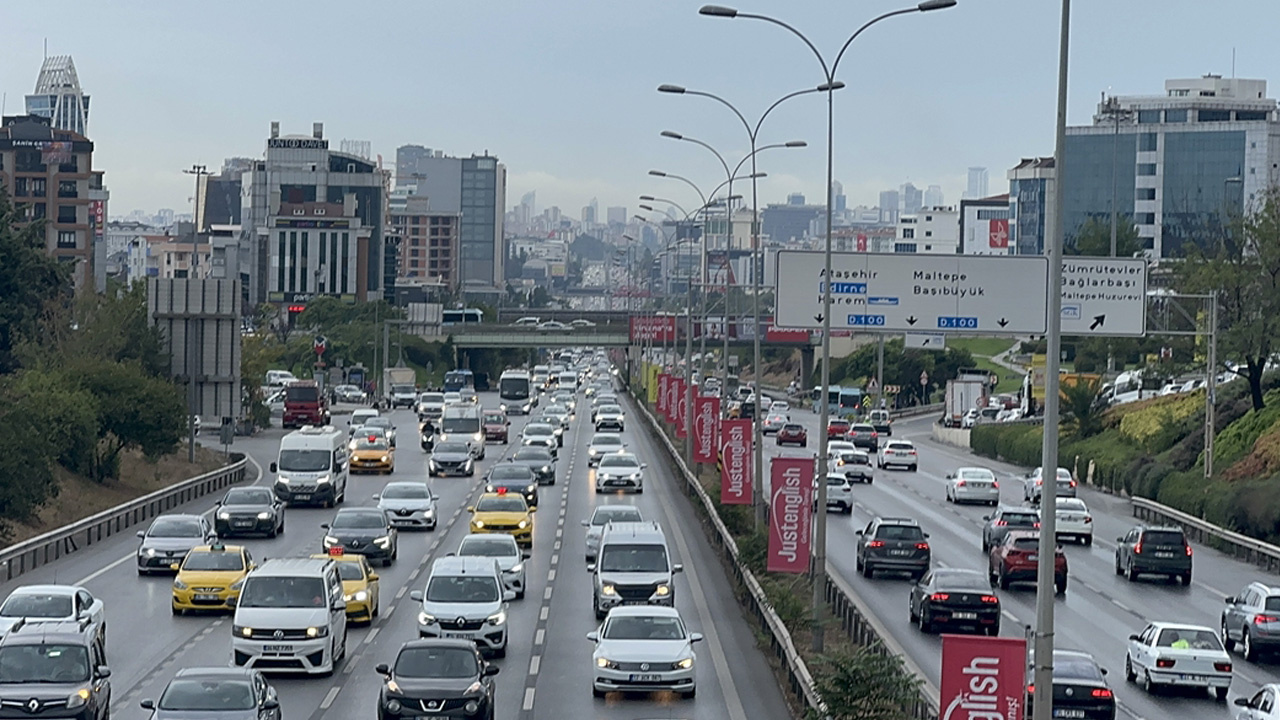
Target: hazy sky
[[564, 91]]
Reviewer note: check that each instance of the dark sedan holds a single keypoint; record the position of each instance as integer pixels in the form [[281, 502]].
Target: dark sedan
[[793, 434], [863, 435], [516, 479], [954, 599], [248, 510], [216, 693], [1080, 688], [437, 677], [539, 460], [367, 531]]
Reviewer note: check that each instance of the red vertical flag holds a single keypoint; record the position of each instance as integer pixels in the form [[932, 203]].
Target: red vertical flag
[[663, 395], [673, 399], [706, 428], [735, 462], [682, 409], [790, 514], [983, 677]]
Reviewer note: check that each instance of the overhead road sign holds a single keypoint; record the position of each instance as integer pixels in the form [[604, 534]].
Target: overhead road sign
[[926, 341], [902, 292], [1104, 296]]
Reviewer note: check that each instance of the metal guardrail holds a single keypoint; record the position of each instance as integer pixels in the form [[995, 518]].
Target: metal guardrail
[[1264, 555], [800, 681], [41, 550]]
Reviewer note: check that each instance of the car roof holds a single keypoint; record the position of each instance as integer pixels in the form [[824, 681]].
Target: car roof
[[973, 468], [46, 590], [488, 537], [1161, 625], [897, 521], [216, 671], [635, 530], [1161, 528], [644, 611], [285, 567], [39, 631], [614, 457], [438, 642], [464, 564]]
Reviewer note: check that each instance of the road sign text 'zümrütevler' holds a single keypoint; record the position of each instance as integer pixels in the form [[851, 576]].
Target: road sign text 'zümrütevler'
[[886, 292], [1104, 296]]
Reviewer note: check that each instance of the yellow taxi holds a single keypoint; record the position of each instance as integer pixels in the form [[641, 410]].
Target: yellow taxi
[[359, 584], [210, 577], [503, 512], [372, 453]]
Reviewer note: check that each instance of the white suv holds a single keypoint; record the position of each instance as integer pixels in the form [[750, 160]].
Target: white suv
[[291, 617], [465, 598], [633, 567]]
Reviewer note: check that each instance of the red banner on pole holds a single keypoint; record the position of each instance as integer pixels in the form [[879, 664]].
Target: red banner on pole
[[735, 462], [664, 394], [983, 677], [653, 329], [706, 428], [682, 409], [790, 514], [673, 398]]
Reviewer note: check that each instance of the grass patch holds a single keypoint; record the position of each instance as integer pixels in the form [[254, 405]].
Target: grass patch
[[981, 346]]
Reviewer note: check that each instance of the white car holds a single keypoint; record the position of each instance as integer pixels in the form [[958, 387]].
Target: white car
[[1172, 654], [610, 416], [430, 405], [773, 423], [1264, 705], [898, 452], [53, 603], [452, 398], [782, 407], [836, 448], [408, 504], [646, 648], [1073, 520], [603, 444], [839, 493], [854, 465], [358, 419], [604, 515], [502, 548], [973, 484], [620, 471], [1034, 484]]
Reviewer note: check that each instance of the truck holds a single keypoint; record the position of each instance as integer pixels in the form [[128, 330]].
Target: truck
[[399, 387], [966, 392], [304, 404]]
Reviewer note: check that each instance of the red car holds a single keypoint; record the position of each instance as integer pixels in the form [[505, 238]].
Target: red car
[[836, 429], [1015, 559], [495, 426], [794, 434]]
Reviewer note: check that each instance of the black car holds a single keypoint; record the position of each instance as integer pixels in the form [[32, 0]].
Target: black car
[[437, 677], [1154, 550], [216, 693], [367, 531], [247, 510], [1004, 519], [516, 479], [954, 599], [540, 462], [44, 664], [893, 544], [1080, 687]]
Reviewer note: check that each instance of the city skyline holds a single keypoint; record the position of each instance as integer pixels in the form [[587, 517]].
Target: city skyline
[[603, 148]]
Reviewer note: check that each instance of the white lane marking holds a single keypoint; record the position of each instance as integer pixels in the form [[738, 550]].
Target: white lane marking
[[546, 595], [535, 663], [539, 636], [391, 609], [555, 559], [350, 664], [372, 634], [551, 575], [543, 613], [528, 699], [400, 592], [330, 697], [1011, 617]]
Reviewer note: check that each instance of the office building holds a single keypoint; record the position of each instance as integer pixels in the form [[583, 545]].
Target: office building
[[912, 199], [934, 230], [795, 199], [984, 226], [889, 207], [976, 188], [588, 215], [428, 249], [789, 223], [933, 196], [837, 199], [408, 159], [1031, 207], [616, 215], [58, 96]]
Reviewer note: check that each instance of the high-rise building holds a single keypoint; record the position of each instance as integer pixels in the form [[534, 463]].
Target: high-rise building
[[789, 223], [795, 199], [428, 250], [588, 215], [1031, 205], [912, 199], [933, 196], [616, 215], [58, 96], [977, 185], [837, 198], [408, 159], [889, 212], [530, 200]]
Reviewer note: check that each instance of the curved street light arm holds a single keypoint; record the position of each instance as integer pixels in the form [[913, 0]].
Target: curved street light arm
[[867, 24], [829, 73]]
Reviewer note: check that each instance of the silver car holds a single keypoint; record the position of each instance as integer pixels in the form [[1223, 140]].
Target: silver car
[[973, 484], [604, 444], [408, 505], [1034, 484], [502, 548], [604, 515], [773, 423]]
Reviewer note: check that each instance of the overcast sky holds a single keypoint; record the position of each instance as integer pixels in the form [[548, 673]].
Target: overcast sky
[[564, 91]]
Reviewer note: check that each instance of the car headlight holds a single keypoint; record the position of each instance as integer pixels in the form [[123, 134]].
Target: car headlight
[[331, 540], [361, 596], [559, 431], [532, 488], [635, 476], [324, 479], [282, 480], [224, 516], [488, 488], [179, 585], [523, 524], [546, 468], [498, 618], [264, 515], [393, 705], [662, 590], [149, 552], [591, 451], [385, 458], [242, 630], [383, 542], [426, 618], [608, 589], [606, 663], [478, 523], [318, 632], [78, 698], [472, 689], [429, 512], [516, 568], [684, 664]]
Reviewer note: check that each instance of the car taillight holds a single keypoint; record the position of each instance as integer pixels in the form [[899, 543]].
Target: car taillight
[[1073, 483], [1188, 551], [1031, 689], [1035, 525], [960, 483], [1088, 519], [1000, 523], [874, 434], [939, 597], [995, 483], [1264, 619], [990, 599], [876, 543], [1164, 662], [911, 452], [1100, 693], [922, 546], [1222, 666], [1137, 549]]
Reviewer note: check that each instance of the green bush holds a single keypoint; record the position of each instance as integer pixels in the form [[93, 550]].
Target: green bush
[[1185, 491], [1253, 508], [1237, 439], [1022, 445], [983, 439]]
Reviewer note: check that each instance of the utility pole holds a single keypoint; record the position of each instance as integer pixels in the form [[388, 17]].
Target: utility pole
[[1211, 385], [192, 354]]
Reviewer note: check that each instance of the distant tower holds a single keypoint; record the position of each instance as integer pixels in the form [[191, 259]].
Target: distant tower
[[58, 96], [933, 196], [977, 185]]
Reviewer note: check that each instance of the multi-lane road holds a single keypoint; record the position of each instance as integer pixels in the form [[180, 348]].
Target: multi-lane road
[[1100, 609], [546, 673]]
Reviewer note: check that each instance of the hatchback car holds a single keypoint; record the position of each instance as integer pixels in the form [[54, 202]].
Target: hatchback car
[[384, 422], [863, 435], [409, 504], [515, 479], [451, 458], [852, 464], [1004, 519], [443, 678], [1034, 485], [793, 434], [366, 531], [839, 493], [954, 599], [169, 539], [216, 693], [496, 427], [538, 460], [1176, 655], [643, 648], [210, 578], [1155, 551], [603, 515], [609, 417], [543, 431], [898, 452], [892, 544], [837, 428], [1017, 559], [1080, 688], [247, 510], [973, 484], [603, 444], [1251, 619]]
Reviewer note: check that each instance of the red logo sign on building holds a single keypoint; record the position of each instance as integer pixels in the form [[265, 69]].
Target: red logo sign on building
[[682, 409], [998, 235], [790, 514], [735, 462], [983, 677], [664, 394], [862, 242], [653, 329], [706, 427]]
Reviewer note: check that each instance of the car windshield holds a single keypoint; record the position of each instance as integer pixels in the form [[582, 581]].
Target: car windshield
[[379, 421], [531, 453], [36, 605], [610, 409], [460, 424], [606, 441], [863, 429], [1162, 537], [633, 558], [1189, 638], [44, 663], [208, 695], [406, 491], [855, 458], [1027, 543], [603, 516], [1020, 518], [975, 475], [538, 429], [304, 460], [302, 394], [495, 419], [510, 472], [793, 428], [274, 591], [219, 560], [638, 627], [451, 448], [899, 447], [899, 532], [502, 504], [1075, 666], [359, 519], [960, 581], [619, 461], [349, 570], [462, 589], [433, 398], [370, 442], [1071, 505], [496, 546], [176, 528], [436, 662], [247, 496]]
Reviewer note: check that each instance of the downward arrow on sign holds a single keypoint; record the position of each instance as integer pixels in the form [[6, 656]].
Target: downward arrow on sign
[[911, 320]]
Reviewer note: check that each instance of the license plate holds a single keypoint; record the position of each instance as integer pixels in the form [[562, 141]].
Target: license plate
[[1033, 558], [244, 523], [646, 678], [1192, 678], [899, 552], [302, 498], [1164, 554], [277, 648], [1068, 713], [965, 615], [207, 598], [455, 636]]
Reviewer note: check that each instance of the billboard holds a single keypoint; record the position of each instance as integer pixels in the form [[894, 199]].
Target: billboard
[[790, 514], [681, 408], [653, 328], [774, 334], [706, 426], [983, 677], [664, 395], [735, 462]]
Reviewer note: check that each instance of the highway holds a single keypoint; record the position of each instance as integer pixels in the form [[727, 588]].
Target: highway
[[547, 670], [1100, 609]]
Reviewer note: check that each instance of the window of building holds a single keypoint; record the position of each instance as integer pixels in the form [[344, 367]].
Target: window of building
[[39, 187], [20, 187], [28, 161], [1145, 218], [303, 270], [1248, 115], [1, 161], [346, 252], [904, 247], [1146, 142], [280, 249], [1001, 214], [1175, 116], [66, 239], [908, 233], [1146, 168], [70, 167], [1148, 116], [928, 248], [417, 219], [928, 233], [67, 189], [67, 214], [1146, 193], [1213, 116]]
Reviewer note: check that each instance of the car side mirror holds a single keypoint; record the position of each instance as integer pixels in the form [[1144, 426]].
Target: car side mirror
[[270, 704], [525, 553], [1104, 670], [490, 670], [218, 504], [695, 637], [591, 567], [677, 568], [102, 672], [324, 525], [382, 669], [927, 535], [1119, 539], [1135, 637], [149, 704], [857, 532], [174, 566], [273, 467], [644, 465], [415, 595], [373, 577], [471, 508], [986, 517], [508, 595], [1231, 601], [338, 605], [231, 601], [951, 476], [586, 523], [1241, 701], [377, 496], [141, 534], [593, 636]]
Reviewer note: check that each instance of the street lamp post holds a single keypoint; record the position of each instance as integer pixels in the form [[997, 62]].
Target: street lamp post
[[190, 354], [829, 77]]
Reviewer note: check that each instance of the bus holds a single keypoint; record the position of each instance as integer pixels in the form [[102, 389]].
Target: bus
[[850, 402], [515, 388], [459, 380], [461, 316], [833, 399]]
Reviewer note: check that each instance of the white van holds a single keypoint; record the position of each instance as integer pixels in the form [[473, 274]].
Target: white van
[[312, 467], [291, 617], [632, 567]]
